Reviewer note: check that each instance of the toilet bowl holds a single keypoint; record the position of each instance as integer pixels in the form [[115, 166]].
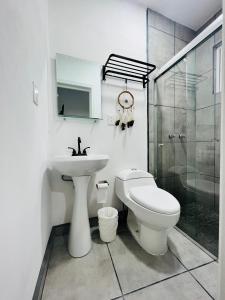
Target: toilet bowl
[[151, 210]]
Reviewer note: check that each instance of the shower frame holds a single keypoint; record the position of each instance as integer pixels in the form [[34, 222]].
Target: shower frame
[[193, 44]]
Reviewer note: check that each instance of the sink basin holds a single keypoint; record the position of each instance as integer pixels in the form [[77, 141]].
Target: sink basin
[[80, 168], [79, 165]]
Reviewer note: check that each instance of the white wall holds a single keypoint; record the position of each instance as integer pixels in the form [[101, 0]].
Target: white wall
[[24, 192], [91, 30]]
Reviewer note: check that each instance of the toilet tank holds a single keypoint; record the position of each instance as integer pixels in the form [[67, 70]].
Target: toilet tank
[[129, 178]]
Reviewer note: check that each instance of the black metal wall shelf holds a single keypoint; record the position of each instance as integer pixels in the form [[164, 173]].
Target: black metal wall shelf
[[126, 68]]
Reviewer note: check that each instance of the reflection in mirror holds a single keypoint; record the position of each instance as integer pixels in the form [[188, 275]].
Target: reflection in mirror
[[73, 101], [78, 87]]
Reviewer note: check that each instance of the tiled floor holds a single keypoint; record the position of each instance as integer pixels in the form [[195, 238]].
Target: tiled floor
[[122, 270]]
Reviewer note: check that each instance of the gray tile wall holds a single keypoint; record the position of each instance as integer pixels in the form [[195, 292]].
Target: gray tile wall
[[165, 39], [207, 112]]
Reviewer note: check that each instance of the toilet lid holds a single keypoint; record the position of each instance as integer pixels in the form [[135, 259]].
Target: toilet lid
[[155, 199]]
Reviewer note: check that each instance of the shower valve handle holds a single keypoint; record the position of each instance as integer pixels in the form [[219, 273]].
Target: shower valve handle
[[181, 136], [160, 145], [171, 136]]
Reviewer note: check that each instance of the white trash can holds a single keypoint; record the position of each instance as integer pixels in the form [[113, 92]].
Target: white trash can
[[108, 223]]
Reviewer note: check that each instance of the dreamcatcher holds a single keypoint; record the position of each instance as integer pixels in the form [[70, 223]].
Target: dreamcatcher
[[125, 109]]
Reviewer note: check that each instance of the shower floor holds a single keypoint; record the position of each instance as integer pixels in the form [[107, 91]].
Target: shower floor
[[200, 223], [199, 217]]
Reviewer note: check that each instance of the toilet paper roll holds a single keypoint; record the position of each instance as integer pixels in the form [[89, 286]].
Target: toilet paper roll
[[102, 194]]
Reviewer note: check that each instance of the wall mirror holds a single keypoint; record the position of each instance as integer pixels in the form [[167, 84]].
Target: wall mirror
[[78, 88]]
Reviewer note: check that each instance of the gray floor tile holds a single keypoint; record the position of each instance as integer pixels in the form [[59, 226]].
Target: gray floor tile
[[136, 268], [207, 276], [89, 277], [187, 252], [182, 287]]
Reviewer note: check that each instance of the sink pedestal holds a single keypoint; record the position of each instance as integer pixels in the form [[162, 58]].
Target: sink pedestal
[[80, 168], [80, 235]]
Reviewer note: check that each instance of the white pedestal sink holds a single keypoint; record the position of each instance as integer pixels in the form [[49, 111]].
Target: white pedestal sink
[[80, 168]]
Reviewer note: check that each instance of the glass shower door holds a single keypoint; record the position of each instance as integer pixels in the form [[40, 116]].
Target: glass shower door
[[185, 80], [187, 140]]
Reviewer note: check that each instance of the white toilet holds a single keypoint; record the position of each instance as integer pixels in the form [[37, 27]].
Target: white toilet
[[151, 210]]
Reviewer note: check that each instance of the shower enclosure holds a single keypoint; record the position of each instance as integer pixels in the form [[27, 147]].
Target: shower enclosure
[[187, 137]]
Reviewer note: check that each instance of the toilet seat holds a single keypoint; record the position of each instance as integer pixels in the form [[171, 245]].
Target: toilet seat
[[155, 199]]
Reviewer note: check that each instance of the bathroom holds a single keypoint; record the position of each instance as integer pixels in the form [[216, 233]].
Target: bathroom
[[51, 245]]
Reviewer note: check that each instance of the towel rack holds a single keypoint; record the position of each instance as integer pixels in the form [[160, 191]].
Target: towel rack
[[126, 68]]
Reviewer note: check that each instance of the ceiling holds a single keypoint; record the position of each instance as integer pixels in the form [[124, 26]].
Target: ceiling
[[191, 13]]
